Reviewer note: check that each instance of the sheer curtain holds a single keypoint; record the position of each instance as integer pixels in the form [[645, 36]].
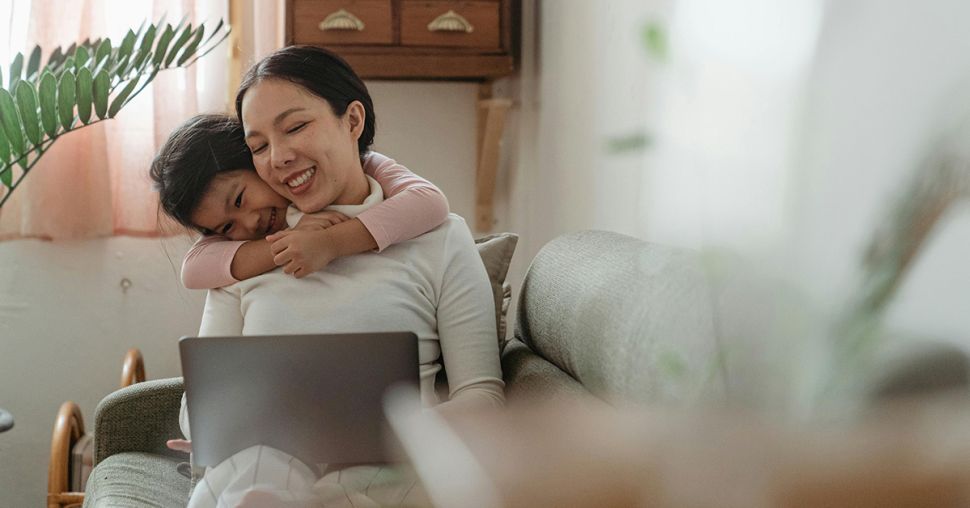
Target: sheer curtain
[[94, 182]]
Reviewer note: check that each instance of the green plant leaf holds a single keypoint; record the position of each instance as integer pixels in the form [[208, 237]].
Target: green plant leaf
[[27, 100], [145, 47], [4, 148], [71, 49], [215, 31], [194, 45], [103, 51], [55, 59], [122, 96], [81, 57], [68, 64], [6, 171], [33, 63], [183, 38], [140, 28], [124, 52], [212, 46], [84, 94], [1, 77], [48, 103], [10, 119], [66, 99], [654, 39], [16, 70], [101, 88], [167, 35]]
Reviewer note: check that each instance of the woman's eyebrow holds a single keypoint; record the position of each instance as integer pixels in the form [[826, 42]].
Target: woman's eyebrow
[[282, 116], [276, 121]]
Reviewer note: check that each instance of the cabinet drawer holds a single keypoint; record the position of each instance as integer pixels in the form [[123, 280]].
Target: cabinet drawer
[[342, 22], [447, 24]]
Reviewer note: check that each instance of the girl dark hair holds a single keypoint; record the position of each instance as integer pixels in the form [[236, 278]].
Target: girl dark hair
[[323, 74], [190, 159]]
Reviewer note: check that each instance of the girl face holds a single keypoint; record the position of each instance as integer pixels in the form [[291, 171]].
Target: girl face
[[240, 206], [302, 149]]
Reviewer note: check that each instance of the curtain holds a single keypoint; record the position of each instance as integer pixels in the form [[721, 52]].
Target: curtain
[[94, 182]]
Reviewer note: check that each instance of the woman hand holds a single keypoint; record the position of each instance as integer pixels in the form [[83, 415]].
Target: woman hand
[[180, 445]]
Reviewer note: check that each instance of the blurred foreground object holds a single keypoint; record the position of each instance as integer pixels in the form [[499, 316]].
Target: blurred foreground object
[[579, 455]]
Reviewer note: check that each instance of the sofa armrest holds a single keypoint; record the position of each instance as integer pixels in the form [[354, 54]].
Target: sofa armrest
[[139, 418], [531, 378]]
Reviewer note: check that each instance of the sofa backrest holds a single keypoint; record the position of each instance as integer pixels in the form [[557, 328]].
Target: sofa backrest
[[630, 320]]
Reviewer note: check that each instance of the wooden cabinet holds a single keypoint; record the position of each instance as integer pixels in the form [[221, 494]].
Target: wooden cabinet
[[412, 39]]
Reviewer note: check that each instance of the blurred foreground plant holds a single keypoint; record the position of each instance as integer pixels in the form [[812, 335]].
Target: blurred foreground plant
[[936, 186]]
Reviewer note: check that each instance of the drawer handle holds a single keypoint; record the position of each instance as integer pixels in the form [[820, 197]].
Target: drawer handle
[[341, 20], [450, 21]]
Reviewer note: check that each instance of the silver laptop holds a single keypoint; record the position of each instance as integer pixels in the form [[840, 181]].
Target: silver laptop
[[316, 397]]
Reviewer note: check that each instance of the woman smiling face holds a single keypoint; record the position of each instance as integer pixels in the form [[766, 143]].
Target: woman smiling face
[[301, 148]]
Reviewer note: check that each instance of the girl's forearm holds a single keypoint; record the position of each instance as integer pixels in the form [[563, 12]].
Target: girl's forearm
[[253, 258], [351, 237]]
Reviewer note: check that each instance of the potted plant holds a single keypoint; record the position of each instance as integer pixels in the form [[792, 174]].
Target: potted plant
[[84, 84]]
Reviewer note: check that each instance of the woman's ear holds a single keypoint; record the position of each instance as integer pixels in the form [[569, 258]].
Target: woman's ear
[[355, 118]]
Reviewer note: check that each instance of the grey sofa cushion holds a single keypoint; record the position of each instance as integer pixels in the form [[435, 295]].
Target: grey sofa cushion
[[530, 379], [135, 480], [631, 321], [496, 252], [139, 418]]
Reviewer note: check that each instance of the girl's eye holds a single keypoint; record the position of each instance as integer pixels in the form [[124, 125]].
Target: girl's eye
[[297, 128], [239, 200], [258, 149], [226, 228]]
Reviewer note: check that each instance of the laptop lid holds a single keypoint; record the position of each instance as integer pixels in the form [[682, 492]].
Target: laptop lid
[[316, 397]]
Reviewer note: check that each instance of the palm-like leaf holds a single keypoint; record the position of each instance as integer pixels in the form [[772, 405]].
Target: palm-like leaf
[[16, 69], [85, 85], [57, 97], [102, 87], [27, 102], [66, 98], [48, 103], [33, 64], [11, 123]]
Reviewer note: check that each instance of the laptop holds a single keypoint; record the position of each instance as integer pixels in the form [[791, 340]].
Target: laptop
[[316, 397]]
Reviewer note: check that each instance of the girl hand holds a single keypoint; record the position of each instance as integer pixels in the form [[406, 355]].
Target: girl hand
[[302, 251], [322, 220]]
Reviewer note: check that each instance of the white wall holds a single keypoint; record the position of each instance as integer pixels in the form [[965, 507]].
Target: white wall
[[65, 322]]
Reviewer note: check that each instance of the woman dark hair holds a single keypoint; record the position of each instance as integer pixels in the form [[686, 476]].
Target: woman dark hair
[[320, 72]]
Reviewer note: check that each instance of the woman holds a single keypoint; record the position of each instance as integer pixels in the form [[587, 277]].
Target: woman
[[308, 119]]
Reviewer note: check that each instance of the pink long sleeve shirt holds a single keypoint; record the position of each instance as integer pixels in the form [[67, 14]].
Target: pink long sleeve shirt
[[412, 206]]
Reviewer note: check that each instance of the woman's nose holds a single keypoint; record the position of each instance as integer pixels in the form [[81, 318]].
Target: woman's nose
[[282, 156]]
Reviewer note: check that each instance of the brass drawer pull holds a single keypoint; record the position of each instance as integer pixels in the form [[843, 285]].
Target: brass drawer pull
[[450, 21], [341, 20]]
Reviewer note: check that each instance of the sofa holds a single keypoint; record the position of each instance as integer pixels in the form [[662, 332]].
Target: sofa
[[601, 317]]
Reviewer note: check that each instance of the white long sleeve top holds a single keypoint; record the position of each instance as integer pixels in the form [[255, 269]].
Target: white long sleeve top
[[434, 285]]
